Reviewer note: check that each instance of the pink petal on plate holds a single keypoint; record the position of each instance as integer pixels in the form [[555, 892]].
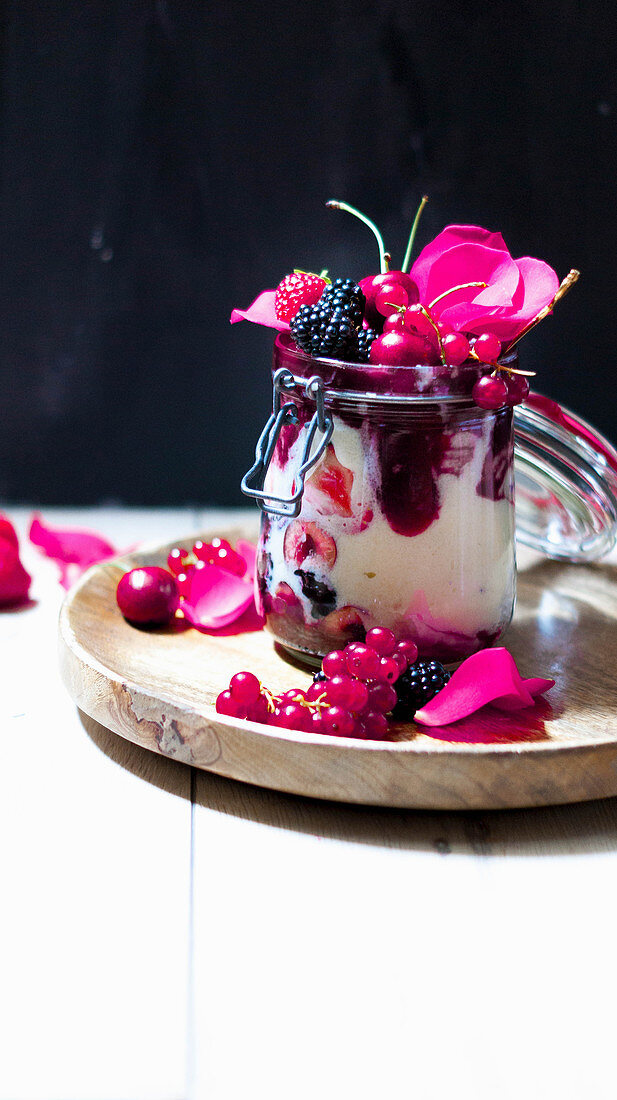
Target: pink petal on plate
[[14, 580], [485, 677], [261, 312], [537, 685], [215, 598], [248, 553], [74, 549]]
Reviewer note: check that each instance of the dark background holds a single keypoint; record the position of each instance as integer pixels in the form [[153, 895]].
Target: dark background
[[162, 162]]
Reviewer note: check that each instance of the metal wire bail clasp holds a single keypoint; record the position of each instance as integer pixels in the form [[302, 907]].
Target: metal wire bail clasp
[[253, 482]]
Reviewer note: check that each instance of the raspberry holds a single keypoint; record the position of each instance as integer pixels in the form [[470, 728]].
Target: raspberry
[[298, 289]]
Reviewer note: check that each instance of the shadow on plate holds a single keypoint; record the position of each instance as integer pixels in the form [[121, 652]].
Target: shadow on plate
[[555, 830]]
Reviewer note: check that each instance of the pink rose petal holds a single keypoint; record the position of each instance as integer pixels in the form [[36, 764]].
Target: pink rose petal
[[215, 598], [74, 549], [535, 686], [261, 312], [14, 580], [248, 553], [483, 678]]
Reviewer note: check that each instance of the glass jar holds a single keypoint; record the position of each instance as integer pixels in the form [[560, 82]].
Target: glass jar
[[388, 500]]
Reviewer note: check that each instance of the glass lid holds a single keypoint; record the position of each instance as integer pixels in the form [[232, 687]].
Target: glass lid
[[566, 482]]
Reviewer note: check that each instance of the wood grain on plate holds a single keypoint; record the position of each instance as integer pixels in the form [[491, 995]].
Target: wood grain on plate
[[157, 688]]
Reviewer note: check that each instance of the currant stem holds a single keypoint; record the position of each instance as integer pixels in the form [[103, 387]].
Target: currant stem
[[334, 204], [461, 286], [563, 288], [412, 235]]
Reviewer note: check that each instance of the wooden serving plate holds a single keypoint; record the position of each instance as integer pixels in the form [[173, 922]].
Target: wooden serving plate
[[157, 688]]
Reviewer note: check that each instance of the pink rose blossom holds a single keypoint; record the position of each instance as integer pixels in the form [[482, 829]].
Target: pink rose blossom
[[515, 291]]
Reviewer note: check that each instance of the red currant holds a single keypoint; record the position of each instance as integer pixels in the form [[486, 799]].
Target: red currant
[[364, 663], [176, 560], [408, 650], [456, 348], [345, 692], [382, 696], [338, 722], [518, 389], [381, 640], [245, 687], [334, 663], [487, 347], [227, 704], [388, 670], [490, 392]]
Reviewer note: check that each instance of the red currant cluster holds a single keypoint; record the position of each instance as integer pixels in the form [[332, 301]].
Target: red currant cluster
[[350, 697], [219, 552]]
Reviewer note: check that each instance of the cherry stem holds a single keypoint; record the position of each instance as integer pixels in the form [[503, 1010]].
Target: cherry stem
[[412, 235], [461, 286], [431, 322], [334, 204], [563, 288]]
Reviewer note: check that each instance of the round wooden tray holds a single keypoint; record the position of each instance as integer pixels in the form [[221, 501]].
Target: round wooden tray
[[157, 688]]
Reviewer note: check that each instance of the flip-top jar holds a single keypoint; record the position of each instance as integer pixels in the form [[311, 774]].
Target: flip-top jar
[[388, 500]]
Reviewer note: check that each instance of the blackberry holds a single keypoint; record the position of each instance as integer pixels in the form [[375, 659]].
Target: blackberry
[[323, 598], [319, 677], [328, 331], [365, 338], [417, 686], [345, 294]]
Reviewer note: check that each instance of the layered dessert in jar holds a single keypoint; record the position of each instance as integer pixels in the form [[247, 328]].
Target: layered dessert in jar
[[399, 513]]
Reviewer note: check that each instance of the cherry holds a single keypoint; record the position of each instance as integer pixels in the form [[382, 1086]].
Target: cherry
[[456, 348], [402, 349], [395, 322], [147, 595], [387, 280], [487, 347], [490, 392], [518, 389]]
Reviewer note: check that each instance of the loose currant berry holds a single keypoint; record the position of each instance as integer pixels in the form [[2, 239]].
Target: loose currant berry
[[381, 640], [487, 347], [245, 687], [294, 716], [258, 711], [315, 691], [490, 392]]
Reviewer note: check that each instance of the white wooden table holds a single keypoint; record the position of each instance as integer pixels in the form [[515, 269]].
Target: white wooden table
[[172, 934]]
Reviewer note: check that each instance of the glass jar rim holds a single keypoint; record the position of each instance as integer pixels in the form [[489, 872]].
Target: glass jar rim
[[358, 382]]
